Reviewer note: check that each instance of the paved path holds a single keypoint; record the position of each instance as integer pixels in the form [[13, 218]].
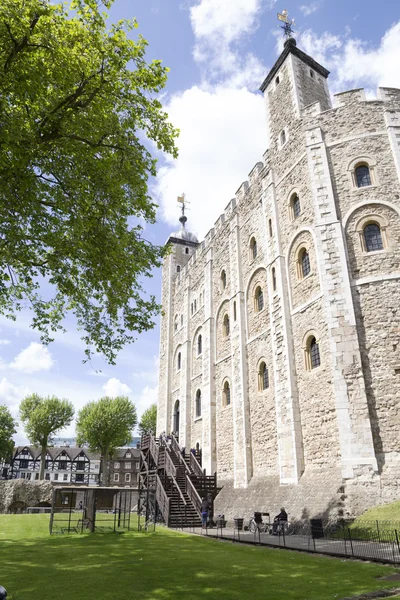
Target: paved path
[[382, 552]]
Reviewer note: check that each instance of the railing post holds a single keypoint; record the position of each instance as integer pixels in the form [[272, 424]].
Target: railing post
[[397, 541], [351, 541], [377, 528]]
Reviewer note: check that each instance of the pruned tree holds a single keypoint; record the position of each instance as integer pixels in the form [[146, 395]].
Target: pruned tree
[[7, 430], [42, 418], [105, 425], [148, 422], [79, 116]]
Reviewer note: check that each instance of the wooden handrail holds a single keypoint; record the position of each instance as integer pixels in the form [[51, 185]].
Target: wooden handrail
[[196, 468], [193, 495], [162, 500], [175, 447], [170, 468], [153, 449]]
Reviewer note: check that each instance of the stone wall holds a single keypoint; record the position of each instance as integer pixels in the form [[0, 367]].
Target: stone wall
[[17, 495], [314, 431]]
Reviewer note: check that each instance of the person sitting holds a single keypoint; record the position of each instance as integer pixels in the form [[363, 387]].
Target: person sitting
[[278, 520]]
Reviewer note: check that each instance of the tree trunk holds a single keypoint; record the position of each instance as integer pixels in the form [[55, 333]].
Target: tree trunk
[[106, 471], [42, 461]]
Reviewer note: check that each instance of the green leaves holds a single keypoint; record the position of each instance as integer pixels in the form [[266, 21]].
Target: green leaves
[[105, 425], [7, 430], [42, 417], [78, 107], [148, 422]]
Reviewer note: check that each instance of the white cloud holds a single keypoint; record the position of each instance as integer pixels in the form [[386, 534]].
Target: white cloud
[[309, 9], [352, 62], [218, 26], [4, 342], [114, 387], [34, 358], [223, 135]]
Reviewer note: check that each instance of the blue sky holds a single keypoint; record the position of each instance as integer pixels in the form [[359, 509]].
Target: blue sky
[[219, 52]]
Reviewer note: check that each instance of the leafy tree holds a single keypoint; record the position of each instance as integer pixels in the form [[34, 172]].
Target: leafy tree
[[105, 425], [78, 112], [7, 430], [42, 418], [148, 422]]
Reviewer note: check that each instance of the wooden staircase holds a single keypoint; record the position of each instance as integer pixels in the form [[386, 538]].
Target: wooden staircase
[[180, 482]]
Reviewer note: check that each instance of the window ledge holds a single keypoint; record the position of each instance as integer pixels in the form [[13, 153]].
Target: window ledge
[[198, 419], [374, 252], [306, 277], [365, 187]]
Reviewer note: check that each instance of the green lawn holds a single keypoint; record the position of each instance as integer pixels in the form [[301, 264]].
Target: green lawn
[[166, 565], [387, 512]]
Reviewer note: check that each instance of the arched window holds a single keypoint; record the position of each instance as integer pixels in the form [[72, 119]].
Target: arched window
[[373, 237], [270, 227], [179, 361], [312, 355], [181, 320], [199, 345], [296, 207], [176, 323], [186, 250], [178, 269], [234, 310], [198, 403], [195, 305], [176, 417], [259, 299], [311, 74], [305, 263], [363, 176], [226, 394], [263, 377], [282, 137], [223, 280], [277, 80], [253, 248], [191, 308], [226, 326], [273, 275]]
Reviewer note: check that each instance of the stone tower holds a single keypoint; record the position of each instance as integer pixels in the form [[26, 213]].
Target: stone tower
[[280, 338]]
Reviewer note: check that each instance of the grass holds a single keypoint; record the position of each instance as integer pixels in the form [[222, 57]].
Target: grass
[[387, 512], [167, 565]]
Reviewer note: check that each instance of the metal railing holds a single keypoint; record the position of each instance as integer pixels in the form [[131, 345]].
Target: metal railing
[[335, 539]]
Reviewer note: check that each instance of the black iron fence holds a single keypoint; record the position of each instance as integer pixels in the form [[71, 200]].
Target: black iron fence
[[377, 541]]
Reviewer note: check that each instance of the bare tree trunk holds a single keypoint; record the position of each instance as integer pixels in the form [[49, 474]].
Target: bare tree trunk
[[42, 461], [106, 471]]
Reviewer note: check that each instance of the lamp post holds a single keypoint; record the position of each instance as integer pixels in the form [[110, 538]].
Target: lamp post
[[3, 593]]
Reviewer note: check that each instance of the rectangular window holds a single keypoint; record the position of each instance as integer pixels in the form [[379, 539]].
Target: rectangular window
[[23, 475], [116, 465], [47, 476], [129, 455], [55, 476], [128, 466], [79, 478], [65, 477], [23, 464], [127, 477], [36, 476], [80, 466], [62, 465], [137, 466], [116, 476]]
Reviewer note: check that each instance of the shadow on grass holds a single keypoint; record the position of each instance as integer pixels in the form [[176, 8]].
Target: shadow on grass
[[170, 566]]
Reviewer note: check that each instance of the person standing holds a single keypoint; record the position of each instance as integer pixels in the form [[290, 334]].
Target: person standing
[[205, 508]]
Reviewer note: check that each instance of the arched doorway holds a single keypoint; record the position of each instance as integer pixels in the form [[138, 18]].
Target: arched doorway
[[176, 417]]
